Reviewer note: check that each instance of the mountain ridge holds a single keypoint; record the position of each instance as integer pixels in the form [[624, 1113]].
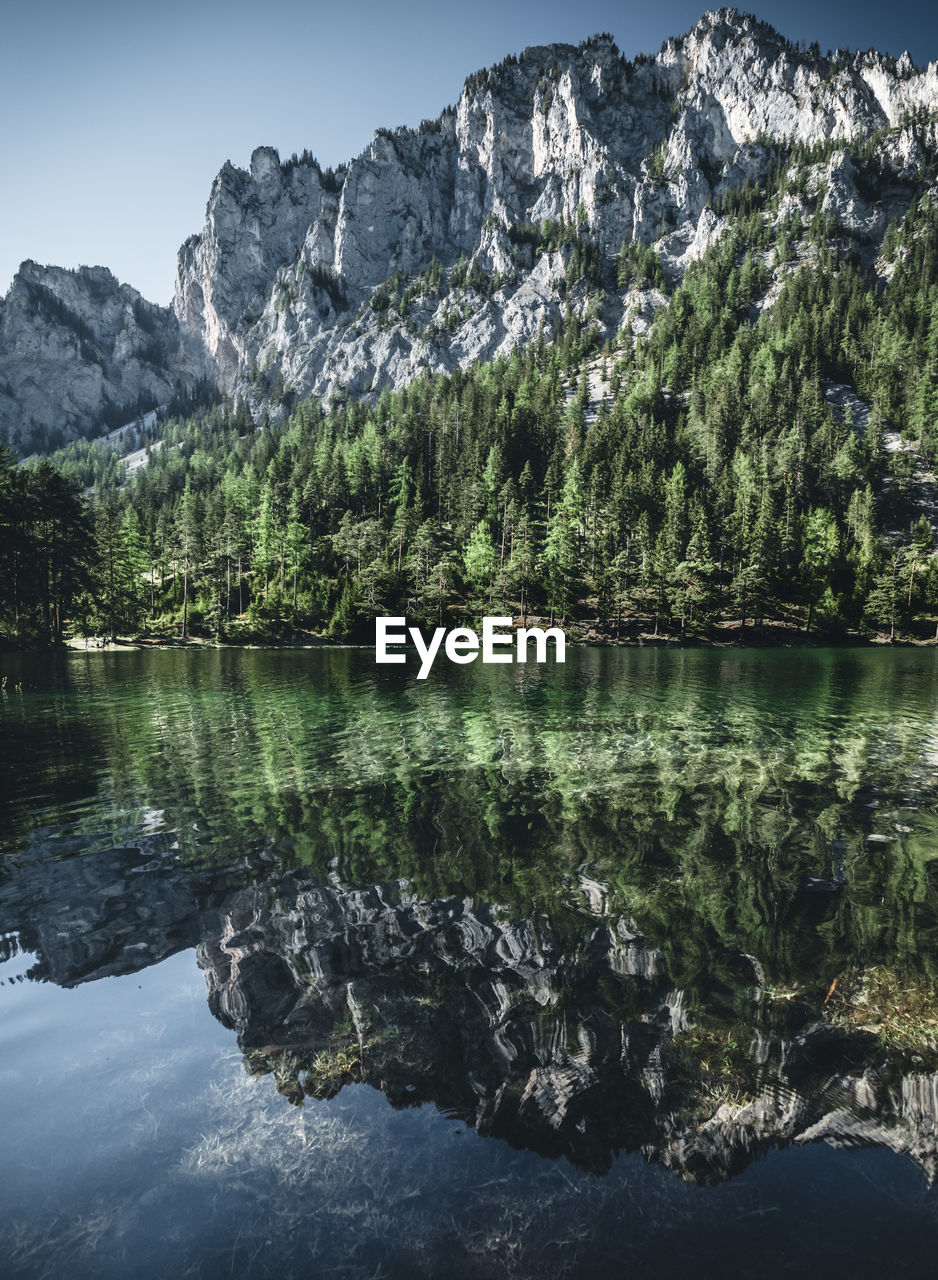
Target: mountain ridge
[[427, 252]]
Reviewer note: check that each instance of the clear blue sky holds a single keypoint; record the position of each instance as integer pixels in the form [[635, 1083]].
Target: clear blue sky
[[117, 116]]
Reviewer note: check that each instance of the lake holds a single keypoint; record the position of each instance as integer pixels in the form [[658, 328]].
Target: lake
[[621, 967]]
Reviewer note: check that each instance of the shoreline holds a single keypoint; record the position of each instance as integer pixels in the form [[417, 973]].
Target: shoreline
[[579, 635], [754, 641]]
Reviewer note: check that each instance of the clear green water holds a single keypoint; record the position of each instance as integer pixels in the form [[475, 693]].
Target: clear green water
[[312, 969]]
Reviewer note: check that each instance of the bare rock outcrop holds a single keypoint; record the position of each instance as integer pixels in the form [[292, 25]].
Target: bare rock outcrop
[[453, 242]]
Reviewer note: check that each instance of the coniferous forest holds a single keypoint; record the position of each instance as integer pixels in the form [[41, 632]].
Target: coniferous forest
[[708, 479]]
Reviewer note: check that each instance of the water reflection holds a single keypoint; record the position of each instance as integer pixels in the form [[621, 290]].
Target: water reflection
[[567, 1042], [683, 905]]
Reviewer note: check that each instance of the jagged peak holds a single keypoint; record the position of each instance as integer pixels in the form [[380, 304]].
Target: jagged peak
[[265, 163], [735, 24], [729, 17], [265, 168], [31, 272], [730, 26], [599, 42], [535, 59]]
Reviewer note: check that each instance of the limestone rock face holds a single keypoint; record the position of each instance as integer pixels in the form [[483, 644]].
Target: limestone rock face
[[288, 283], [430, 249], [256, 222], [78, 350]]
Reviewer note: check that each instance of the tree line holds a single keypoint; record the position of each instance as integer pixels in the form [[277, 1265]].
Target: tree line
[[716, 481]]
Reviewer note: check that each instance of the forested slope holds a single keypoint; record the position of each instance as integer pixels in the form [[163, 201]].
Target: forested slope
[[717, 480]]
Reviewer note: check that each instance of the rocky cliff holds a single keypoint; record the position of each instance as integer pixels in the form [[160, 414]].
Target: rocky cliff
[[433, 248], [81, 352], [467, 236]]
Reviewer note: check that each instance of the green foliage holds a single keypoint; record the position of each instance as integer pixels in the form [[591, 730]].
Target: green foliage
[[715, 482], [637, 266], [46, 551]]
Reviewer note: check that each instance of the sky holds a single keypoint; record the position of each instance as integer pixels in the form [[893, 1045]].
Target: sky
[[115, 117]]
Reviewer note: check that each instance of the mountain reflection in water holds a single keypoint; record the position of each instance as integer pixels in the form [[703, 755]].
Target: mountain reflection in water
[[679, 905]]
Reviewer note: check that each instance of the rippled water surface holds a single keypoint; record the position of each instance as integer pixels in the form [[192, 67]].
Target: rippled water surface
[[622, 967]]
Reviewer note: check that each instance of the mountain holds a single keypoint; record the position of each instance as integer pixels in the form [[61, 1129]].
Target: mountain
[[81, 352], [565, 177]]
